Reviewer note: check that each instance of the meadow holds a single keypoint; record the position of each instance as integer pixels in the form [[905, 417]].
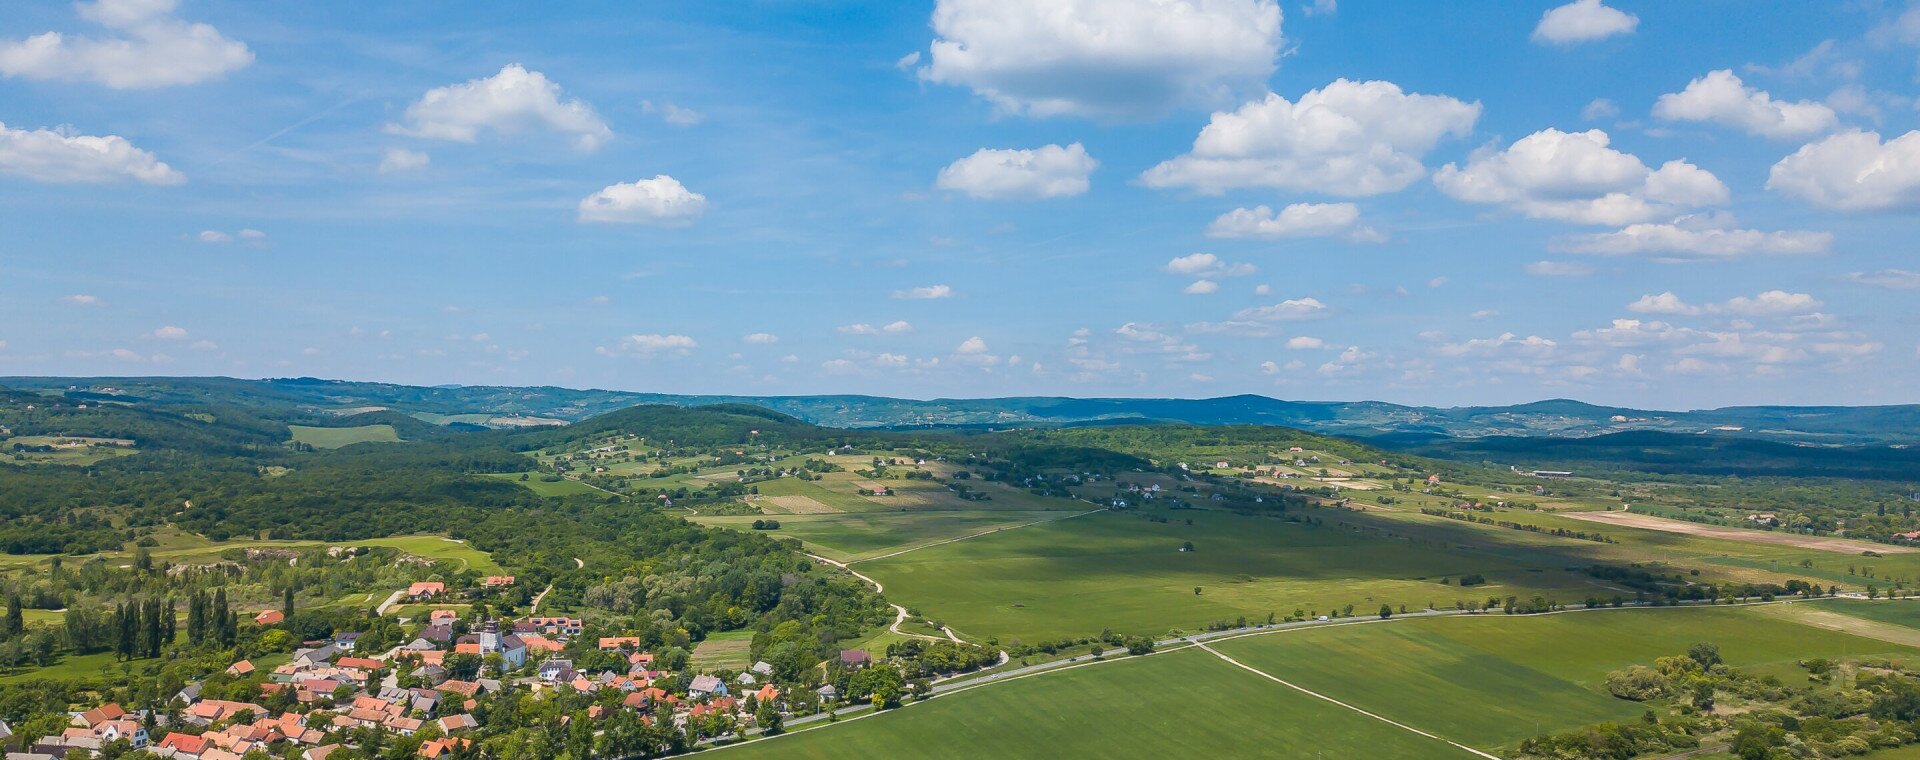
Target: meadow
[[534, 483], [728, 649], [333, 438], [1163, 705], [856, 536]]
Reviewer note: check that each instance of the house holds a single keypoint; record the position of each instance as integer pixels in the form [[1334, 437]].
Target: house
[[184, 744], [1433, 480], [767, 695], [704, 686], [240, 669], [316, 656], [828, 693], [439, 632], [186, 696], [269, 617], [497, 581], [129, 731], [512, 650], [441, 747], [456, 723], [855, 658], [762, 668], [99, 715], [359, 663], [426, 590], [613, 643], [442, 616], [556, 670], [346, 641]]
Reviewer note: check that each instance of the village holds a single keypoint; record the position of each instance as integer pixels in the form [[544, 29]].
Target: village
[[436, 689]]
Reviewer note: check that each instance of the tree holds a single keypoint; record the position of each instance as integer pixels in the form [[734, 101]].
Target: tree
[[1705, 653], [16, 621], [286, 604], [1385, 612], [768, 719]]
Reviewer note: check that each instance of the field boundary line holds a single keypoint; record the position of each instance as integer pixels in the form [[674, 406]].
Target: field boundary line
[[1312, 693], [988, 532]]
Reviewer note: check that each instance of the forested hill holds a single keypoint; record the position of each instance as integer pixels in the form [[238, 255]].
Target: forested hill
[[498, 406]]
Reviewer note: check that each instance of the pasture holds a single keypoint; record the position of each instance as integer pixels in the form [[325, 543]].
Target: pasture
[[728, 649], [856, 536], [333, 438], [537, 483], [1162, 705], [64, 450]]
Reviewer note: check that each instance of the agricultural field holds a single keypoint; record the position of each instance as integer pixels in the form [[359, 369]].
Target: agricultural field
[[64, 450], [857, 536], [538, 483], [1162, 705], [333, 438], [1491, 680], [179, 547], [1124, 571], [730, 650]]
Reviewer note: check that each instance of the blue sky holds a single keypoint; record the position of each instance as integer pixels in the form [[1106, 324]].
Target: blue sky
[[1653, 204]]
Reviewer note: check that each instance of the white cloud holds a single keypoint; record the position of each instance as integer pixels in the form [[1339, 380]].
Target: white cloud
[[1321, 8], [171, 332], [660, 201], [1853, 171], [1207, 265], [1294, 221], [925, 293], [1895, 279], [1772, 303], [1598, 109], [1288, 310], [896, 327], [1305, 343], [403, 160], [1558, 269], [1722, 98], [974, 351], [857, 329], [1049, 171], [213, 236], [673, 114], [509, 102], [1346, 139], [1696, 238], [1108, 59], [761, 338], [82, 299], [1577, 177], [150, 48], [60, 156], [1582, 21], [648, 345], [1504, 344], [1202, 288], [1437, 282]]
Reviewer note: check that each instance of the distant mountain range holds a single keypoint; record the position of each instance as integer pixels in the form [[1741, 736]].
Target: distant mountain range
[[1390, 424]]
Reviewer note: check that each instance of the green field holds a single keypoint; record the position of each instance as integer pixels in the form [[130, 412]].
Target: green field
[[563, 487], [179, 547], [1177, 704], [729, 649], [1119, 570], [1493, 680], [856, 536], [67, 450], [333, 438]]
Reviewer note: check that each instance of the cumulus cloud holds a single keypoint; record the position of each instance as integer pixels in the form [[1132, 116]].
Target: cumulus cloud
[[1599, 108], [1558, 269], [512, 101], [82, 299], [1049, 171], [61, 156], [661, 201], [1895, 279], [1202, 288], [1696, 238], [1721, 97], [1853, 171], [1295, 221], [1577, 177], [403, 160], [1107, 59], [1291, 309], [925, 293], [1346, 139], [1503, 344], [760, 338], [648, 345], [170, 332], [148, 48], [1207, 265], [1772, 303], [1304, 343], [896, 327], [1583, 21], [974, 351]]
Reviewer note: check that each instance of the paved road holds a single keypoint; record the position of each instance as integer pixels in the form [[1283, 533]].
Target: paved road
[[391, 600]]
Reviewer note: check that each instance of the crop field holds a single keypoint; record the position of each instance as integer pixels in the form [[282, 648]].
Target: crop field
[[1123, 571], [1163, 705], [1491, 680], [1651, 522], [66, 450], [333, 438], [840, 492], [851, 537]]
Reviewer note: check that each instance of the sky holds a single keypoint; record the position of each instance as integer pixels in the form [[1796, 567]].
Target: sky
[[1652, 204]]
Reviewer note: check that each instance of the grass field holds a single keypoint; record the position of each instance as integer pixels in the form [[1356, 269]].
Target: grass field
[[1493, 680], [849, 537], [179, 547], [333, 438], [1164, 705], [1122, 571], [728, 649], [562, 487], [67, 450]]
